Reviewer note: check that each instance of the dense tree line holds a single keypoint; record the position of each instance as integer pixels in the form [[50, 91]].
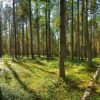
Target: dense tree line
[[65, 28]]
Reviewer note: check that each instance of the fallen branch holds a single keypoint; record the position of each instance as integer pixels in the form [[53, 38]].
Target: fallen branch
[[91, 85]]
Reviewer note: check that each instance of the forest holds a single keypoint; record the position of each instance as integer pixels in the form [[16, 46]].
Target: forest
[[49, 49]]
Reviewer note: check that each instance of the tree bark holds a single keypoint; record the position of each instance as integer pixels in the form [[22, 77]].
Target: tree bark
[[72, 36], [31, 35], [14, 23], [62, 38]]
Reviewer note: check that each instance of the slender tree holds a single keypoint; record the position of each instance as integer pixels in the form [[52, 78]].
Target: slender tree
[[78, 32], [31, 33], [82, 35], [72, 36], [0, 35], [46, 22], [38, 34], [14, 25], [87, 38], [27, 40], [49, 32]]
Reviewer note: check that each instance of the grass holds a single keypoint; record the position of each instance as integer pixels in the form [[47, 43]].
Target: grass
[[27, 79]]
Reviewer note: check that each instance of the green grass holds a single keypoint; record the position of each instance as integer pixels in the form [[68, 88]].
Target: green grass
[[27, 79]]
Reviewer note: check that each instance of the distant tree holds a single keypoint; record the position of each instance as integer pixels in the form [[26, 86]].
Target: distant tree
[[82, 35], [0, 32], [78, 32], [37, 25]]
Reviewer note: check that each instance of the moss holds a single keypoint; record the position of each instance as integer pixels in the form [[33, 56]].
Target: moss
[[38, 79]]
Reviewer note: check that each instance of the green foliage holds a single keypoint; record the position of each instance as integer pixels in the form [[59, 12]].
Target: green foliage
[[38, 79]]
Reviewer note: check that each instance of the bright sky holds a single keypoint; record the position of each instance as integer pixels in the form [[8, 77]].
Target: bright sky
[[9, 2]]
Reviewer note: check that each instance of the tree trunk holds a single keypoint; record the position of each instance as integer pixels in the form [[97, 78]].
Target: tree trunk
[[78, 32], [62, 38], [49, 32], [46, 20], [87, 38], [72, 36], [31, 35], [27, 47], [0, 38], [38, 34], [14, 23], [23, 49]]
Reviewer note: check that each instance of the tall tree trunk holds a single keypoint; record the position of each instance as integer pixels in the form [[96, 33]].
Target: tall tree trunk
[[23, 49], [9, 35], [14, 25], [46, 20], [18, 38], [49, 32], [72, 36], [38, 34], [78, 32], [27, 47], [82, 35], [62, 38], [31, 35], [87, 38], [0, 38]]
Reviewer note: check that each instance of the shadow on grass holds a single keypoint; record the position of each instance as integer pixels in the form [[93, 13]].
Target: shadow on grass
[[27, 66], [33, 93], [1, 96], [73, 83], [84, 63], [22, 64], [94, 95], [67, 89], [38, 62], [89, 69]]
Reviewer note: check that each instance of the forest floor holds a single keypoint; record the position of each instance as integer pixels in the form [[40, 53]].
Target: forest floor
[[27, 79]]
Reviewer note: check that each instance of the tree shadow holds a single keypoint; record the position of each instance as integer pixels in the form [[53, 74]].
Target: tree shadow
[[33, 93], [73, 62], [67, 85], [27, 66], [94, 95], [1, 96], [89, 69], [73, 83], [38, 62]]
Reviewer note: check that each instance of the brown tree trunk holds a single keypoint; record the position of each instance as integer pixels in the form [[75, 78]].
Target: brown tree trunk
[[46, 20], [88, 45], [78, 32], [14, 25], [0, 38], [23, 48], [62, 38], [72, 36], [38, 34], [31, 35], [27, 47]]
